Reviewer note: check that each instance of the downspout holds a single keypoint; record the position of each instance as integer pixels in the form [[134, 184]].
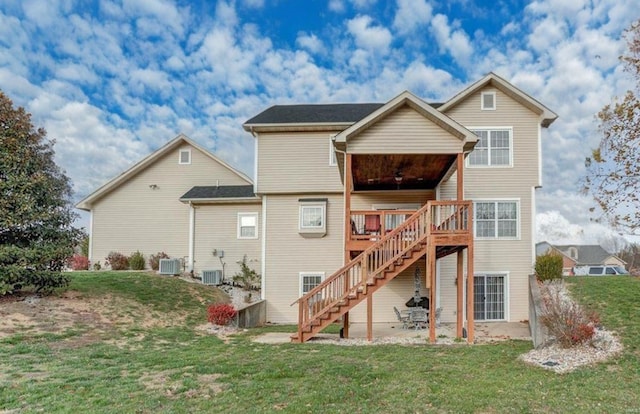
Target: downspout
[[192, 232], [263, 247], [90, 237]]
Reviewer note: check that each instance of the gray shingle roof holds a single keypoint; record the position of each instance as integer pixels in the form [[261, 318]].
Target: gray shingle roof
[[223, 191], [326, 113], [587, 254]]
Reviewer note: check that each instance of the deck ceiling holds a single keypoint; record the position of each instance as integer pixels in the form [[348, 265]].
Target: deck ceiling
[[372, 172]]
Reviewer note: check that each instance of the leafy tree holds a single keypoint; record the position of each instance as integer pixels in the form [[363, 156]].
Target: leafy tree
[[613, 170], [36, 233]]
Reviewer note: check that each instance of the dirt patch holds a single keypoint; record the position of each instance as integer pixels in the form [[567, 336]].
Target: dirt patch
[[31, 314], [172, 385]]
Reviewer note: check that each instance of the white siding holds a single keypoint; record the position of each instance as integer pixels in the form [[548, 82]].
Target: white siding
[[135, 216]]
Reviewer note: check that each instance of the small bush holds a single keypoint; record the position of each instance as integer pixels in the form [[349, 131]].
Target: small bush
[[567, 321], [79, 262], [136, 261], [221, 314], [117, 261], [548, 267], [154, 260], [247, 277], [97, 266]]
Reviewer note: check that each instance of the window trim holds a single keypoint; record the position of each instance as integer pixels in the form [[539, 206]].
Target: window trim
[[180, 152], [489, 129], [239, 225], [495, 201], [487, 108], [312, 231], [302, 275]]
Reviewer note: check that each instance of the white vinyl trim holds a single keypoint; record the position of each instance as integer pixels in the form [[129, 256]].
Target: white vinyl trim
[[263, 247], [192, 232]]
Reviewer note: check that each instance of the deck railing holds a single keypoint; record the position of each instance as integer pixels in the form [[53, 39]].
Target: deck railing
[[368, 223], [389, 245]]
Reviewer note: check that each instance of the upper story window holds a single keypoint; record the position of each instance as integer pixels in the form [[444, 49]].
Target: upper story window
[[496, 219], [247, 225], [184, 156], [488, 101], [313, 217], [493, 149], [332, 152]]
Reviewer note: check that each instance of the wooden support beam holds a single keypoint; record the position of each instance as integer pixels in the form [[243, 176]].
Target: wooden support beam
[[460, 294], [470, 319], [370, 317], [431, 269], [460, 176]]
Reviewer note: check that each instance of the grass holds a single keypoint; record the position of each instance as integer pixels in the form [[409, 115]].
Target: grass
[[172, 367]]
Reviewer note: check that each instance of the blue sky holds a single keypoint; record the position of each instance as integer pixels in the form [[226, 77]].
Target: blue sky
[[113, 80]]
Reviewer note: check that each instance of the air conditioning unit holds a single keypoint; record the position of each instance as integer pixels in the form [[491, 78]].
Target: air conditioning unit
[[169, 267], [212, 277]]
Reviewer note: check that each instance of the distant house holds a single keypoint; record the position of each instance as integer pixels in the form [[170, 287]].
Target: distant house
[[575, 255], [400, 199]]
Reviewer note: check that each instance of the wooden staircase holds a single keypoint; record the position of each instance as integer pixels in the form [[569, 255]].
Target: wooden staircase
[[445, 225]]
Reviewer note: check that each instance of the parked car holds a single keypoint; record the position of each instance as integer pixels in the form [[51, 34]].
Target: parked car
[[599, 271]]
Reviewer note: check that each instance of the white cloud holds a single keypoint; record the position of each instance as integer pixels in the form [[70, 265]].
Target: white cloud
[[451, 40], [411, 14], [369, 36], [310, 42], [362, 4], [336, 6]]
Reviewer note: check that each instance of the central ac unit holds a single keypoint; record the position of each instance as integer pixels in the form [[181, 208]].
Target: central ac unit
[[212, 277], [169, 267]]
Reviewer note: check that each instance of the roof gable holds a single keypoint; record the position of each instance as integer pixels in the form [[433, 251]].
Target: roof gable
[[491, 79], [429, 112], [148, 161]]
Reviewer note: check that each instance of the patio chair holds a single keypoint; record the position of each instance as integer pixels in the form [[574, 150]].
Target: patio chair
[[404, 319], [419, 317]]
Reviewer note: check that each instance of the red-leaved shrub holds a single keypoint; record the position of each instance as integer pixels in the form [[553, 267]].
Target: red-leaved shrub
[[79, 262], [154, 260], [221, 314], [117, 261]]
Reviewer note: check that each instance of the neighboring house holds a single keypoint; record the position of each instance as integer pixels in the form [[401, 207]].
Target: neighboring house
[[580, 255], [356, 206]]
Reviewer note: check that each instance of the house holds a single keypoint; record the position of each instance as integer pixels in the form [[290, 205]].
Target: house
[[356, 208], [580, 255]]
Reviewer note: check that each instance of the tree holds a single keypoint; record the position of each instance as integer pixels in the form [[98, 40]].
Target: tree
[[613, 170], [36, 233]]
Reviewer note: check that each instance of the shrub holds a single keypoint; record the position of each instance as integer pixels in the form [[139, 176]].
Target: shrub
[[247, 277], [97, 266], [548, 267], [79, 262], [221, 314], [567, 321], [154, 260], [136, 261], [117, 261]]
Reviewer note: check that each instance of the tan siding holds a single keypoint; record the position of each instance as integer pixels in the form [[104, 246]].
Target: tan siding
[[404, 132], [513, 183], [216, 228], [135, 217], [288, 253], [296, 162], [365, 201]]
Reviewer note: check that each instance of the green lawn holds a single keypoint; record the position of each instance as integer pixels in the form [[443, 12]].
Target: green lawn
[[150, 358]]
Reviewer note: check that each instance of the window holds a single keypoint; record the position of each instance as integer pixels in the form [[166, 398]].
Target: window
[[184, 157], [496, 219], [247, 225], [313, 216], [489, 293], [488, 101], [493, 148], [309, 280], [332, 152]]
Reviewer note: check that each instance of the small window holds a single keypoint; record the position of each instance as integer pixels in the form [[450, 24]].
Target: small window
[[312, 221], [496, 219], [247, 225], [309, 280], [493, 149], [332, 152], [488, 101], [185, 156]]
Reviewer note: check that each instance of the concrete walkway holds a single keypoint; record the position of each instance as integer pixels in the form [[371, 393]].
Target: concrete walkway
[[392, 333]]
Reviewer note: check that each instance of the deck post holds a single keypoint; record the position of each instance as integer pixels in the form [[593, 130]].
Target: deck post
[[370, 317], [470, 321], [431, 260], [460, 176], [460, 294], [348, 184]]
